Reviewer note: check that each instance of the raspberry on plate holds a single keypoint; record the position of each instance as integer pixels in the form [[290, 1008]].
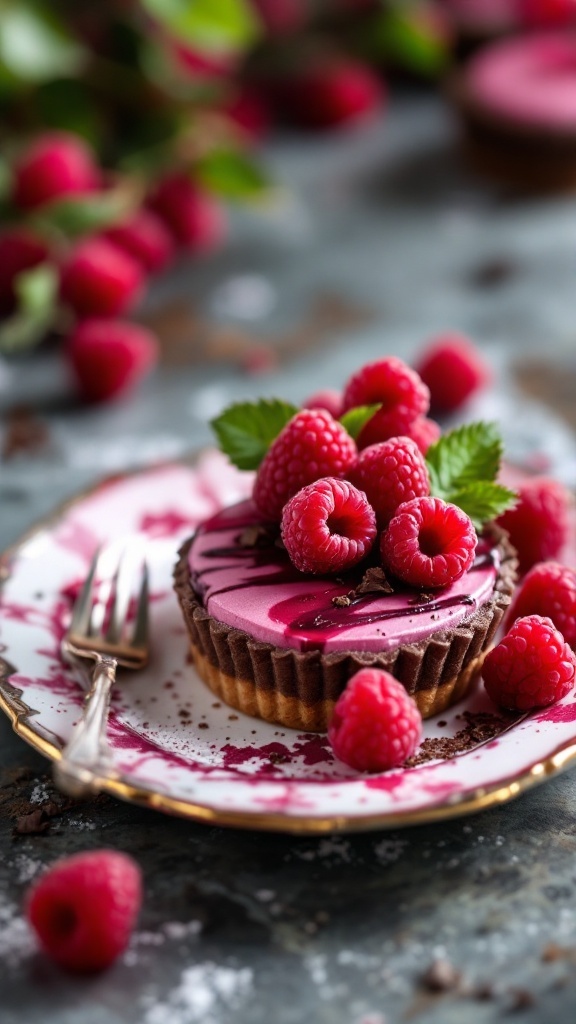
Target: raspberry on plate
[[146, 238], [429, 543], [391, 473], [312, 445], [548, 589], [453, 369], [328, 398], [531, 667], [375, 724], [399, 390], [84, 908], [328, 526], [539, 523], [196, 219]]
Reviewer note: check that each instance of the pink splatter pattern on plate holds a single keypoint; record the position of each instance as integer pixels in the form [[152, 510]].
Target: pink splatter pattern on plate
[[170, 737]]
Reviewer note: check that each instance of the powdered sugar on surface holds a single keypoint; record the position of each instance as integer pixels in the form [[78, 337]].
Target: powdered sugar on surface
[[205, 994], [16, 940]]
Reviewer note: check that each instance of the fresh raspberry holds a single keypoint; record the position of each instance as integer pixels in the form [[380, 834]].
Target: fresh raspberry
[[547, 13], [19, 250], [196, 220], [310, 446], [328, 93], [99, 279], [453, 369], [328, 526], [429, 543], [424, 432], [375, 724], [54, 165], [539, 522], [84, 908], [145, 237], [400, 391], [110, 357], [531, 667], [548, 589], [391, 473], [329, 399]]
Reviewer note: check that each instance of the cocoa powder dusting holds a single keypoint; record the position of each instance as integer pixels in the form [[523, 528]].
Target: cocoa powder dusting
[[480, 727]]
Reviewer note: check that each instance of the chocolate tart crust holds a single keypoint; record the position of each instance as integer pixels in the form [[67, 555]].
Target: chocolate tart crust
[[298, 689]]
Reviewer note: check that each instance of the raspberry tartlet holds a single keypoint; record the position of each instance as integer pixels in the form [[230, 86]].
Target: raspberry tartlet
[[517, 100], [283, 608]]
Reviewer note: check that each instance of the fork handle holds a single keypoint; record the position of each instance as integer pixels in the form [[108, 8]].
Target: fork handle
[[87, 751]]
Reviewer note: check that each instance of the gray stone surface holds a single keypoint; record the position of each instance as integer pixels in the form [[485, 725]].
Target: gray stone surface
[[249, 927]]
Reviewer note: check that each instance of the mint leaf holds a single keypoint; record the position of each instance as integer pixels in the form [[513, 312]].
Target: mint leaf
[[82, 215], [356, 418], [483, 501], [231, 174], [246, 430], [464, 456], [36, 292]]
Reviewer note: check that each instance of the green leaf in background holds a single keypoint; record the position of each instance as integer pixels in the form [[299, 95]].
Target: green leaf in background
[[34, 45], [37, 292], [211, 25], [403, 36], [82, 215], [463, 456], [355, 419], [231, 174], [483, 501], [69, 105], [246, 430]]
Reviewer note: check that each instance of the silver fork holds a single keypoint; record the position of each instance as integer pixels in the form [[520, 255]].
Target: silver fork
[[108, 643]]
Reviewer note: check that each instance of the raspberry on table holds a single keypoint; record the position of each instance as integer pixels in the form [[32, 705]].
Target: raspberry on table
[[548, 589], [399, 390], [539, 524], [531, 667], [110, 357], [327, 93], [391, 473], [84, 908], [312, 445], [429, 543], [145, 237], [99, 279], [328, 398], [56, 164], [328, 526], [424, 432], [197, 220], [453, 369], [375, 724]]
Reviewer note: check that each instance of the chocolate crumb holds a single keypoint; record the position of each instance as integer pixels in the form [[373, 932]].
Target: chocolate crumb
[[522, 999], [422, 598], [492, 273], [441, 976], [25, 433], [277, 758], [553, 952], [33, 824], [374, 581], [232, 718], [342, 601], [484, 991], [480, 727], [203, 725], [442, 724]]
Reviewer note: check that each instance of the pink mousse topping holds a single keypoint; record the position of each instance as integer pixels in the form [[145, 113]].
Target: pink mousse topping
[[531, 80], [257, 589]]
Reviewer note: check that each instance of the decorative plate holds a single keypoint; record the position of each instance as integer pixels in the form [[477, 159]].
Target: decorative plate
[[175, 747]]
